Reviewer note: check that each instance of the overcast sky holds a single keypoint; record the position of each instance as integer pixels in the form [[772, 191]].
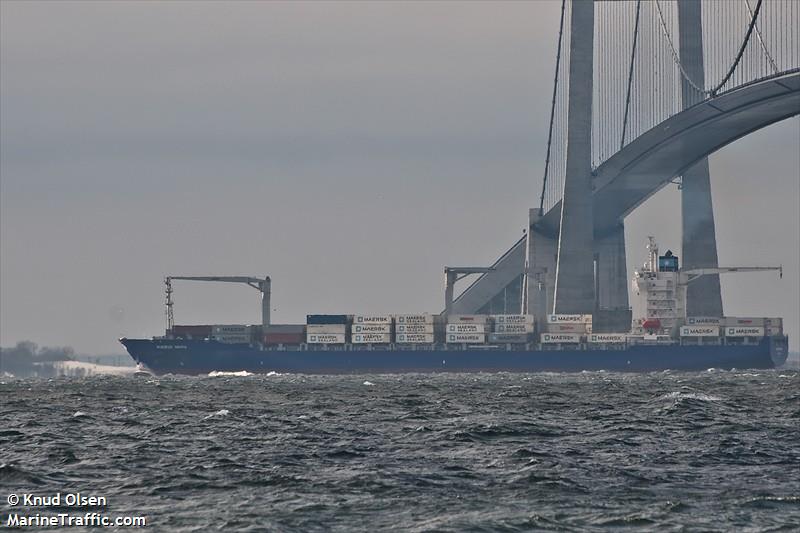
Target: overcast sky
[[349, 150]]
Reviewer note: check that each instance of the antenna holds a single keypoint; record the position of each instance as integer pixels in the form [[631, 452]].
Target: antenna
[[168, 303]]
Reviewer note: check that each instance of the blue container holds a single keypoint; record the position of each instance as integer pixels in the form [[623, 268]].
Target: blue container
[[326, 319]]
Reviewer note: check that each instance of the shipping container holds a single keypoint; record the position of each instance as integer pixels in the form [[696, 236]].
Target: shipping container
[[336, 329], [232, 339], [284, 338], [230, 329], [372, 338], [559, 338], [703, 321], [414, 328], [513, 338], [514, 328], [467, 319], [285, 328], [512, 319], [699, 331], [569, 319], [773, 331], [744, 331], [371, 328], [325, 338], [372, 319], [774, 322], [747, 321], [326, 319], [608, 338], [415, 338], [422, 318], [465, 328], [466, 337], [568, 328], [192, 331]]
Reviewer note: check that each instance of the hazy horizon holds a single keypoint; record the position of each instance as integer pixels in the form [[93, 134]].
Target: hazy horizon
[[349, 150]]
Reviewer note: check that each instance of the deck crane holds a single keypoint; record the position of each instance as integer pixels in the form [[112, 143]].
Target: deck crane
[[263, 285]]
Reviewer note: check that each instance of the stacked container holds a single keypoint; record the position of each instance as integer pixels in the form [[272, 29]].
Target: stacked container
[[276, 334], [371, 329], [192, 332], [466, 329], [414, 329], [561, 328], [232, 333], [326, 329], [511, 329]]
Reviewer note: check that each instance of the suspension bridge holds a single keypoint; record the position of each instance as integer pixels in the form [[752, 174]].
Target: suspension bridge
[[643, 92]]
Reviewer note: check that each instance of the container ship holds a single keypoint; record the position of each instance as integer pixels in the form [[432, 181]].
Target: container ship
[[663, 338]]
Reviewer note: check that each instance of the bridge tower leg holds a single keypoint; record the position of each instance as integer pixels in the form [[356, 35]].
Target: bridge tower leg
[[611, 270], [704, 296], [540, 270], [574, 285]]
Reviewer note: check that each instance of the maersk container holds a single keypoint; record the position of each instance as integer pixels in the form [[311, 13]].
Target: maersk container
[[514, 328], [372, 338], [773, 331], [336, 329], [285, 328], [326, 319], [191, 331], [608, 338], [372, 319], [232, 339], [569, 319], [744, 331], [504, 338], [774, 322], [230, 329], [512, 319], [704, 321], [422, 318], [325, 338], [475, 338], [466, 328], [414, 338], [560, 338], [371, 328], [467, 319], [699, 331], [743, 321], [414, 328], [566, 327]]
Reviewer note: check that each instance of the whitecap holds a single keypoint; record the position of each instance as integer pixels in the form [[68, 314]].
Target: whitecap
[[273, 373], [220, 373], [221, 412], [690, 396], [76, 414], [369, 383]]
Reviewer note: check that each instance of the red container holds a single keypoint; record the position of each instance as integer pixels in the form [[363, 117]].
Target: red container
[[284, 338], [193, 332]]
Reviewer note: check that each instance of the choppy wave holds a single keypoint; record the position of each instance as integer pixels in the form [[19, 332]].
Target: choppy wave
[[221, 373], [485, 452]]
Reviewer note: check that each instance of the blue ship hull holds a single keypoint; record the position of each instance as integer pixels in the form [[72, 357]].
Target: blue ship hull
[[194, 357]]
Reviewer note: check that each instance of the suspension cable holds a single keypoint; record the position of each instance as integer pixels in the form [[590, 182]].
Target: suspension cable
[[630, 75], [552, 109], [761, 41]]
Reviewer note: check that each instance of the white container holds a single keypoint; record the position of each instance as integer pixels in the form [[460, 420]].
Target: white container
[[414, 328], [466, 328], [608, 338], [774, 322], [230, 329], [513, 338], [774, 330], [232, 339], [325, 338], [415, 338], [467, 319], [372, 319], [704, 321], [514, 328], [743, 321], [423, 318], [565, 327], [559, 338], [371, 328], [744, 331], [369, 338], [466, 337], [699, 331], [513, 319], [334, 329], [569, 319]]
